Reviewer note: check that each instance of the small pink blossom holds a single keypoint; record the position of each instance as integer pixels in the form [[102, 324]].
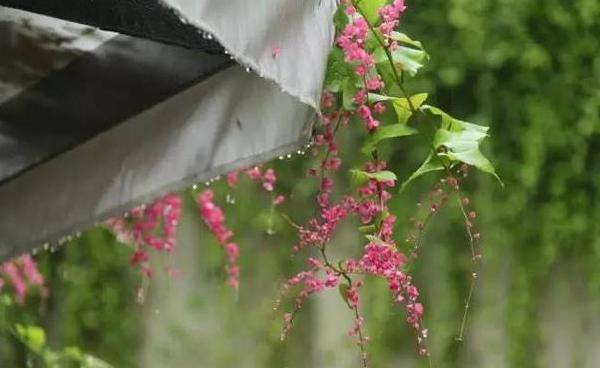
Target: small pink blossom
[[11, 270], [327, 99], [275, 51], [379, 108], [278, 200], [254, 173], [232, 178], [269, 180]]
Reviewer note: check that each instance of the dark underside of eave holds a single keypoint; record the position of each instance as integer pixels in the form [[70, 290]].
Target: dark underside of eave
[[156, 57], [148, 19]]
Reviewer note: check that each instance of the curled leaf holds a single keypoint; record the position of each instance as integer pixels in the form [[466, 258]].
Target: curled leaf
[[461, 140]]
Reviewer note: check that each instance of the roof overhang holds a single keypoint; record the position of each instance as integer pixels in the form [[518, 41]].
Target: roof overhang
[[93, 122]]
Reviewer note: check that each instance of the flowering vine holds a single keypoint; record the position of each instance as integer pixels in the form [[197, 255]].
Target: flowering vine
[[215, 220], [22, 275], [149, 227], [365, 82], [364, 87]]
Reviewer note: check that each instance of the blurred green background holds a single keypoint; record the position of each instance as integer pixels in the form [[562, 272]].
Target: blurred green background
[[530, 69]]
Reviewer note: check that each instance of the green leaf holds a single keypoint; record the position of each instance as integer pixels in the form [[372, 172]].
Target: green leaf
[[374, 239], [32, 336], [402, 106], [386, 132], [405, 58], [72, 352], [6, 300], [462, 140], [403, 38], [371, 43], [370, 9], [89, 361], [374, 97], [430, 164], [360, 177], [340, 19], [349, 90], [367, 228], [338, 70], [382, 176], [450, 123]]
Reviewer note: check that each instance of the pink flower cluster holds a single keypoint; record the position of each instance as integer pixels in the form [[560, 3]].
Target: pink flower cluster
[[385, 261], [319, 231], [149, 227], [22, 274], [390, 15], [352, 42], [214, 218], [268, 178], [311, 284]]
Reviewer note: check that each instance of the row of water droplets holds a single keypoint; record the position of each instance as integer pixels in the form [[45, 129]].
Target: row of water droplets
[[289, 156], [56, 245]]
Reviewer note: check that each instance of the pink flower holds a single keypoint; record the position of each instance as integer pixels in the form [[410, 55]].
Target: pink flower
[[327, 99], [278, 200], [269, 180], [254, 173], [275, 51], [30, 270], [214, 218], [139, 256], [360, 98], [372, 124], [12, 272], [333, 163], [232, 178], [379, 108], [374, 84], [390, 15], [233, 251]]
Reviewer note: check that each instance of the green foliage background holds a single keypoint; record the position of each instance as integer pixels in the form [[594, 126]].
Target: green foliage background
[[530, 69]]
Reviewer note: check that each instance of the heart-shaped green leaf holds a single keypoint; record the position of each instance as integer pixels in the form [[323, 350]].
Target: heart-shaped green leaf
[[386, 132]]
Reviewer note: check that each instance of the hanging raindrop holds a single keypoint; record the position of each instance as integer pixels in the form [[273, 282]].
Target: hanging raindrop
[[141, 295], [229, 199]]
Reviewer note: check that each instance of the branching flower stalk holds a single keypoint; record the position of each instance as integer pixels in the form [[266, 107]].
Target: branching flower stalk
[[364, 92]]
